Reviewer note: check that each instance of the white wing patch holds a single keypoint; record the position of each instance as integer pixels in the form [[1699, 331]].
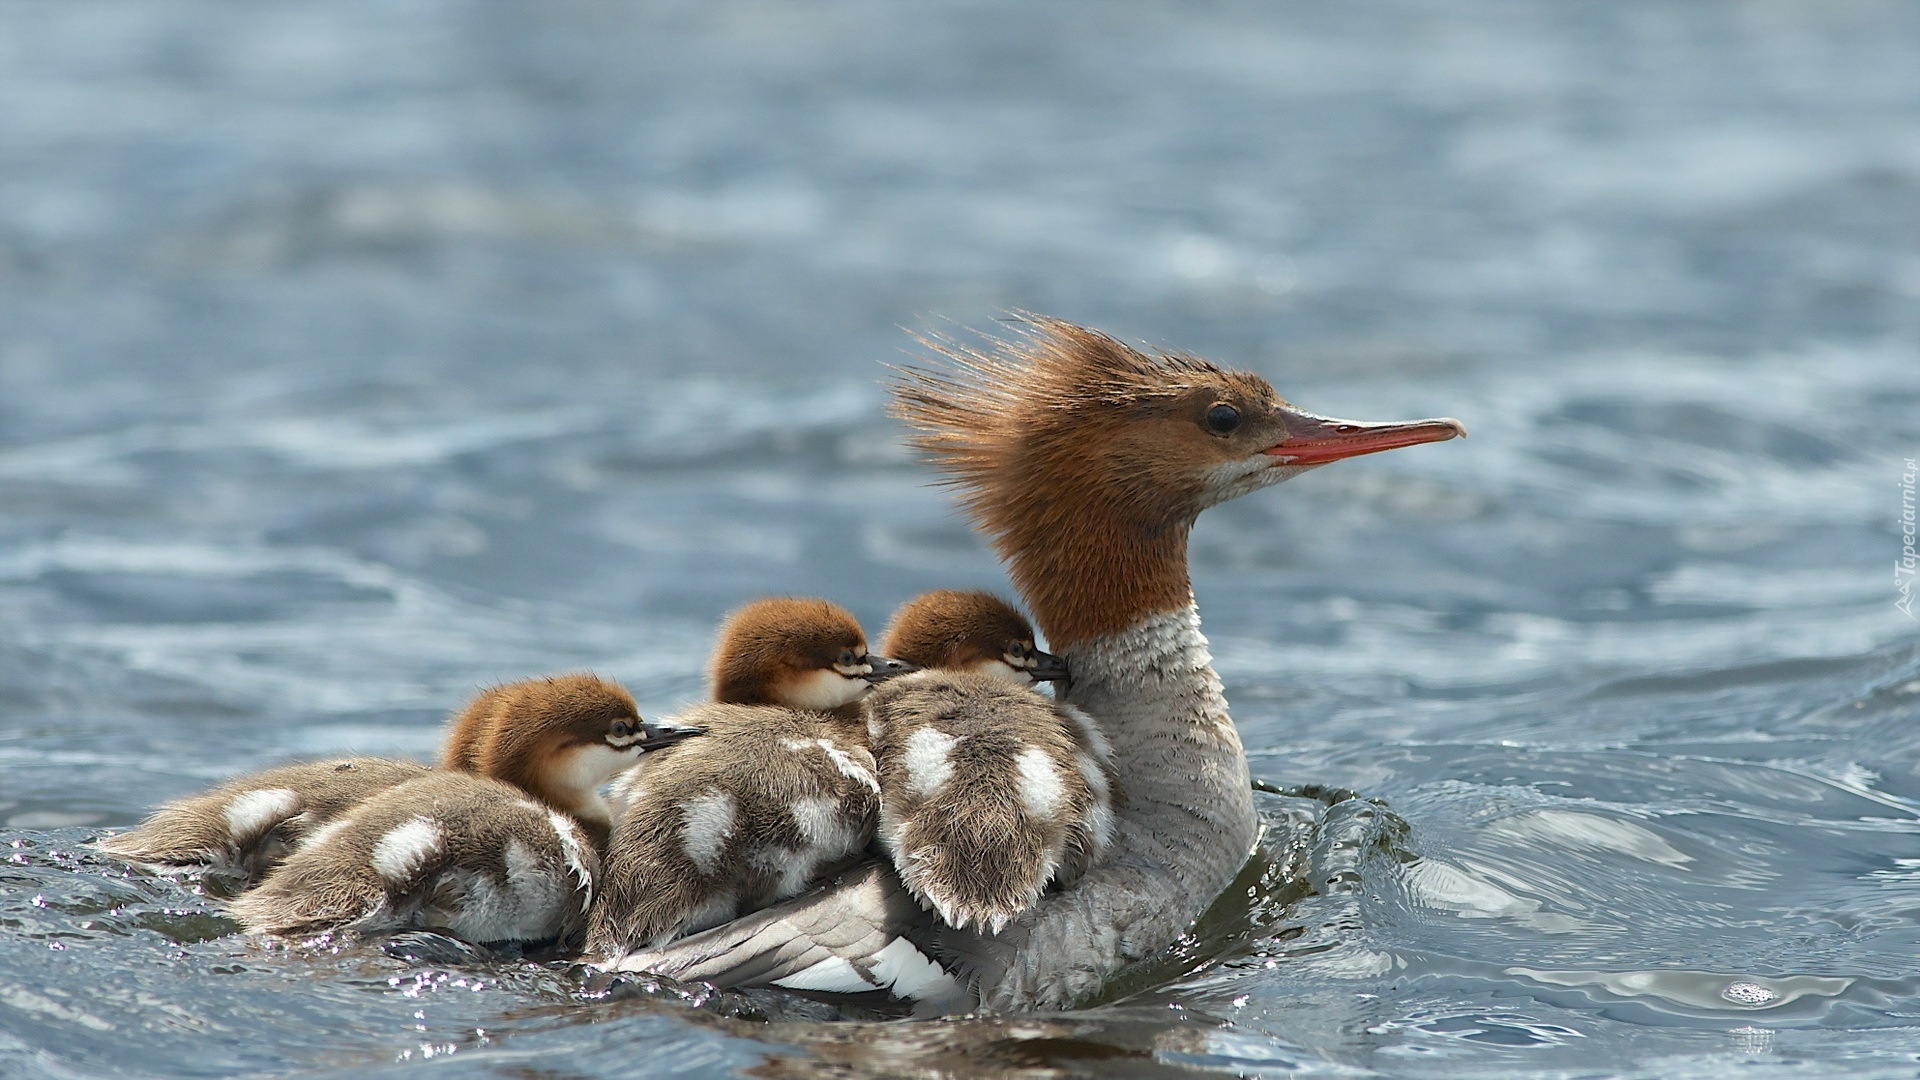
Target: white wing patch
[[1040, 787], [325, 832], [899, 968], [830, 976], [926, 756], [708, 826], [251, 813], [570, 846], [819, 821], [406, 848], [909, 974], [858, 769]]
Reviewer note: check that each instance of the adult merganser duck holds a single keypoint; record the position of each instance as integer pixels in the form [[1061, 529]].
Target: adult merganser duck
[[487, 856], [989, 792], [1086, 462], [781, 788]]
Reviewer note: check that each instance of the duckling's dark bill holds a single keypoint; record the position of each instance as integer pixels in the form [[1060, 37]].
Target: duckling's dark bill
[[885, 668], [659, 735], [1048, 667]]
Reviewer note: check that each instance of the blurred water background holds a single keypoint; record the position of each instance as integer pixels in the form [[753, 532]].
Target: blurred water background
[[355, 355]]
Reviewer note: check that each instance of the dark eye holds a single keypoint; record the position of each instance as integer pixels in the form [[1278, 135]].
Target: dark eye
[[1017, 650], [621, 729], [1222, 419], [847, 658]]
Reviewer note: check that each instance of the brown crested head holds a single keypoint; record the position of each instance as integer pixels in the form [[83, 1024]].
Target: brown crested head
[[969, 630], [558, 737], [1087, 461], [798, 652]]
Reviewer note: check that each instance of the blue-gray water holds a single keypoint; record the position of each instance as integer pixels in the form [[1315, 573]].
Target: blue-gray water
[[355, 355]]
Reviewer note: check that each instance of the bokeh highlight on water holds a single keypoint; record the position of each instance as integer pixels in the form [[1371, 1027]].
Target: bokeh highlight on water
[[356, 355]]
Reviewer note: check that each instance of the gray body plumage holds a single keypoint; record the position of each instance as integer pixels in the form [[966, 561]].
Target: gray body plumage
[[240, 830], [751, 813], [461, 854]]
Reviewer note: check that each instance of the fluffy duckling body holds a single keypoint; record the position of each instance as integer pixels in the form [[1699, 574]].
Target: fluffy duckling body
[[989, 792], [780, 791], [234, 834], [485, 858]]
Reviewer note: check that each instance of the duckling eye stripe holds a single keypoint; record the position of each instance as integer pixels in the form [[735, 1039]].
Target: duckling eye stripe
[[1001, 669]]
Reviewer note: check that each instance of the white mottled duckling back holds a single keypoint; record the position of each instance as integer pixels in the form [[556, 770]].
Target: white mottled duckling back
[[245, 827], [473, 856], [780, 790], [990, 793]]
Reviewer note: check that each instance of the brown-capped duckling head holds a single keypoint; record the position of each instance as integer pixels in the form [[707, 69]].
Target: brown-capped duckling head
[[558, 737], [798, 652], [955, 630]]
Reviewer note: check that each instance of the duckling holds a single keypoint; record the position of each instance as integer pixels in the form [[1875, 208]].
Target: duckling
[[989, 792], [488, 856], [780, 790], [234, 834]]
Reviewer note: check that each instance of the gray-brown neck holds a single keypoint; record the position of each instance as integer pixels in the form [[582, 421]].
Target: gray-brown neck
[[1155, 693]]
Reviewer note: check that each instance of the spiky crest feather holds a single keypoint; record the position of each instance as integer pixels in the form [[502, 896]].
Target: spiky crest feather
[[1067, 447]]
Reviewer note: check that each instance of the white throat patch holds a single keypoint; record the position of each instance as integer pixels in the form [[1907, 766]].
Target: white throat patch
[[580, 770], [1004, 671], [1247, 475], [823, 691]]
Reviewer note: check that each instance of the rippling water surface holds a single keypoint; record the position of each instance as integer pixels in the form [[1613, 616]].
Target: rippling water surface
[[356, 355]]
